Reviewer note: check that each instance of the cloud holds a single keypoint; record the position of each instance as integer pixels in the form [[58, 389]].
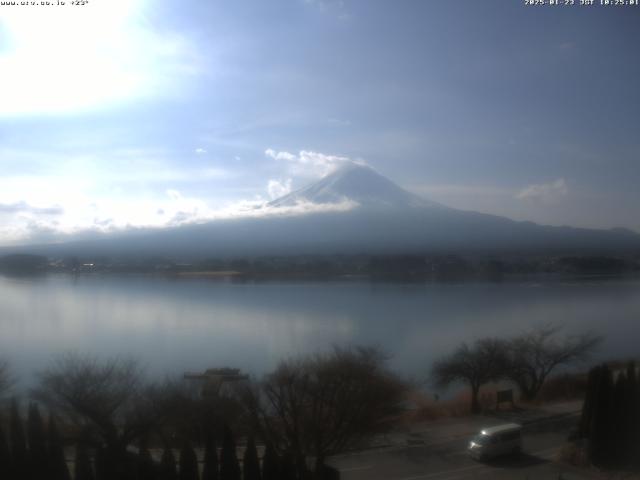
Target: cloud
[[183, 210], [262, 210], [176, 211], [181, 218], [200, 151], [42, 231], [24, 207], [82, 197], [277, 188], [308, 163], [269, 152], [546, 192]]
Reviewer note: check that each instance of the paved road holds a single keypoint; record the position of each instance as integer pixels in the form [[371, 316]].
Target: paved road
[[447, 459]]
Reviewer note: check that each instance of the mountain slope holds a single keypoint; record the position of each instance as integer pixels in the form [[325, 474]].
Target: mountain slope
[[357, 183], [385, 219]]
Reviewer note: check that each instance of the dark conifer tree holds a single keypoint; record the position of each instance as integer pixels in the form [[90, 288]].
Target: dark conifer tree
[[115, 463], [102, 466], [600, 430], [270, 464], [146, 468], [287, 467], [210, 471], [229, 467], [619, 421], [188, 463], [20, 463], [633, 412], [58, 469], [588, 405], [250, 462], [168, 465], [37, 443], [127, 464], [632, 377], [632, 386], [327, 472], [83, 469], [5, 456]]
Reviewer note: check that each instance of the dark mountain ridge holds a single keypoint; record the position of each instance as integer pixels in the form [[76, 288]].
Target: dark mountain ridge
[[384, 219]]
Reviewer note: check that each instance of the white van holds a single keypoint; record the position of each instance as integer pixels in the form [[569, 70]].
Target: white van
[[496, 441]]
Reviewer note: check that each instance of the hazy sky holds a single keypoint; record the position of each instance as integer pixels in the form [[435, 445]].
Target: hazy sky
[[155, 112]]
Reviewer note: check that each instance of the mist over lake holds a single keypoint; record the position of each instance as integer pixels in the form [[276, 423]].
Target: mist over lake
[[181, 325]]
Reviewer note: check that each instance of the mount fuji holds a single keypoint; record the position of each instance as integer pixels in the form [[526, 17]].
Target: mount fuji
[[359, 184], [375, 216]]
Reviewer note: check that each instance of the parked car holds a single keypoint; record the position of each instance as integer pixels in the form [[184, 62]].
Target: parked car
[[496, 441]]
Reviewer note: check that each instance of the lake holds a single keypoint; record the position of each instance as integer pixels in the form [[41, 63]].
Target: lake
[[177, 325]]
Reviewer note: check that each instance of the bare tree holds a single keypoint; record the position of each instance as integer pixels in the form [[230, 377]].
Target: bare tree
[[535, 354], [106, 397], [324, 404], [474, 365], [6, 380], [193, 413]]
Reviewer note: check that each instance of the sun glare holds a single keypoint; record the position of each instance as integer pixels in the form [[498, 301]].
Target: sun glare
[[60, 59]]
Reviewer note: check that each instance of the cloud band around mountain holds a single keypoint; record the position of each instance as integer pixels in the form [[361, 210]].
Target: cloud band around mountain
[[307, 163], [550, 191], [24, 207]]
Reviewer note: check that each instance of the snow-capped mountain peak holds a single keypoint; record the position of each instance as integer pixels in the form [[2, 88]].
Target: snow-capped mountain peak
[[356, 183]]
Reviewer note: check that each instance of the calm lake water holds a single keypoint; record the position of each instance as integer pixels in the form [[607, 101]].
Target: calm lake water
[[185, 324]]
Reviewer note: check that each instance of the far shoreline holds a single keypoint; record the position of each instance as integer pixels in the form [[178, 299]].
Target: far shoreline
[[260, 277]]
